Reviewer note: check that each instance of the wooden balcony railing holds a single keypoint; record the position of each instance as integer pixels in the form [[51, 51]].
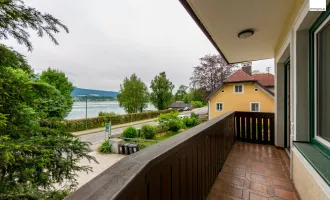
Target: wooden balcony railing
[[255, 127], [184, 166]]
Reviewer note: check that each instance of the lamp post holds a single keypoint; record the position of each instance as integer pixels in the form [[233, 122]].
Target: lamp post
[[86, 95]]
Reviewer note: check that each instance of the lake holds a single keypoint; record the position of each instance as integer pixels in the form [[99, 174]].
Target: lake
[[94, 107]]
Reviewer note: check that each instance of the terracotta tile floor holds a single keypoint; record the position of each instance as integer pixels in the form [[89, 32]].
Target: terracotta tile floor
[[254, 171]]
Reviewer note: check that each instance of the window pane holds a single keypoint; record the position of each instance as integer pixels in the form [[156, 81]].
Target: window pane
[[323, 93]]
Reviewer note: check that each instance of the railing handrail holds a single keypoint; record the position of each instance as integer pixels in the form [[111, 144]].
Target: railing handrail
[[112, 182]]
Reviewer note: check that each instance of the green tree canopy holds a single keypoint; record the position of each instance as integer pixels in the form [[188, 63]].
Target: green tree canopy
[[59, 80], [16, 18], [161, 95], [36, 151], [195, 95], [182, 91], [133, 95]]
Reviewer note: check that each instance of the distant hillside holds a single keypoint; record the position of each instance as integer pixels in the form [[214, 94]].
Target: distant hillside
[[101, 93]]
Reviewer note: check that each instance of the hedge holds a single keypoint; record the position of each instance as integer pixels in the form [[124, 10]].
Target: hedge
[[97, 122]]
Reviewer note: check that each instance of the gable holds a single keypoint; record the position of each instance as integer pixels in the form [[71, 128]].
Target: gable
[[228, 89]]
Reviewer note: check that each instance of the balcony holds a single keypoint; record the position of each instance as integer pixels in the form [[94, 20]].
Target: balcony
[[210, 161]]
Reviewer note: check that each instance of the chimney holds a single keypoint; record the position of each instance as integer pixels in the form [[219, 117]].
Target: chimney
[[247, 68]]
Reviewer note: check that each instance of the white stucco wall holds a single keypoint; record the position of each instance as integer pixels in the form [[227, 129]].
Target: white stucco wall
[[305, 182]]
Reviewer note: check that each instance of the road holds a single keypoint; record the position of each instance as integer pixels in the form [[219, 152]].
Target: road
[[96, 138]]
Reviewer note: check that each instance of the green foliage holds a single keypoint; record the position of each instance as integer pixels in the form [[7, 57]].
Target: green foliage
[[13, 59], [97, 122], [59, 80], [130, 132], [190, 121], [193, 115], [197, 104], [105, 147], [170, 121], [16, 19], [35, 153], [133, 95], [161, 95], [175, 125], [195, 95], [148, 131], [182, 91], [102, 114]]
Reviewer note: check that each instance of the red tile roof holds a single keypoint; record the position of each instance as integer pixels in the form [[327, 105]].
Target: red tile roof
[[238, 76], [265, 79]]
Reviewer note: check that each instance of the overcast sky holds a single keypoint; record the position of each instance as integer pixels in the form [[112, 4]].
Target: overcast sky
[[110, 39]]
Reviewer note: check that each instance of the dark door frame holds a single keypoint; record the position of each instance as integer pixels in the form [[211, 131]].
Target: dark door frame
[[286, 63]]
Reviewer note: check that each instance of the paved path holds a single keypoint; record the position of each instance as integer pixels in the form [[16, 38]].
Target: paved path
[[96, 138]]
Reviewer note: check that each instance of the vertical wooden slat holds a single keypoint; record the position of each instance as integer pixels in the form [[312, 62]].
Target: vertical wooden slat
[[238, 128], [243, 127], [199, 174], [248, 128], [166, 180], [272, 130], [203, 179], [183, 177], [266, 128], [259, 131], [195, 173], [207, 163], [153, 179], [175, 174], [254, 129], [190, 174]]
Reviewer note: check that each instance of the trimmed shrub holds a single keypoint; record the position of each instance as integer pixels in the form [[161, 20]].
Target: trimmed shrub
[[101, 114], [197, 104], [165, 119], [97, 122], [105, 147], [175, 125], [190, 121], [130, 132], [148, 131]]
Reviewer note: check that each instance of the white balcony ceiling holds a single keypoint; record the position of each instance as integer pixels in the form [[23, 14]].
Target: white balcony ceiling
[[224, 19]]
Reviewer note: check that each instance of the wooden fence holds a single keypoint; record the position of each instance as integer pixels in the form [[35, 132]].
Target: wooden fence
[[255, 127], [183, 167]]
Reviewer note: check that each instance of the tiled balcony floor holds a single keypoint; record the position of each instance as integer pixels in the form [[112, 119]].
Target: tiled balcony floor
[[254, 171]]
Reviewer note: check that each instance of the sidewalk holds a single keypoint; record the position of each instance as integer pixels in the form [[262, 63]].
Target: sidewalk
[[95, 130]]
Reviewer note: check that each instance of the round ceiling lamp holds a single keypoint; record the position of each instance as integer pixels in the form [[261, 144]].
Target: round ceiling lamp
[[246, 33]]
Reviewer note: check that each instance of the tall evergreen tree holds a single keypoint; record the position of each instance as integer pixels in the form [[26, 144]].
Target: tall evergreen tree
[[133, 95], [16, 18], [35, 152], [161, 95]]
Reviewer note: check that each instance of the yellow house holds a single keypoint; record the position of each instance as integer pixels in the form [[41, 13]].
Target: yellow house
[[242, 92]]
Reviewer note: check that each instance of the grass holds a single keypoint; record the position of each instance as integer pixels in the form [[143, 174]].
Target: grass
[[167, 135]]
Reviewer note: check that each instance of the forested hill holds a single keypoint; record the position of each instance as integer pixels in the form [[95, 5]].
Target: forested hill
[[101, 93]]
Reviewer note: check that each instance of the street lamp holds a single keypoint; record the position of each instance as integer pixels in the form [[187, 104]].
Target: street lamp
[[86, 95]]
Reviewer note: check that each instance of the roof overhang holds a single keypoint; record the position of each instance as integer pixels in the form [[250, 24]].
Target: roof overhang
[[222, 20]]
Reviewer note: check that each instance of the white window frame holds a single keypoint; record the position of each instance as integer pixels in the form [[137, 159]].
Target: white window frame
[[254, 103], [216, 106], [242, 89], [319, 138]]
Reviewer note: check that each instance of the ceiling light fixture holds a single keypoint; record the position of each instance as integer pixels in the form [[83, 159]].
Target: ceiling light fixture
[[246, 33]]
